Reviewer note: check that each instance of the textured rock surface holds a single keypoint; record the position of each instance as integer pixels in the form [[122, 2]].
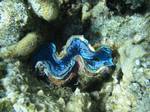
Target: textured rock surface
[[13, 18], [17, 92], [130, 35], [80, 100], [134, 4], [46, 9]]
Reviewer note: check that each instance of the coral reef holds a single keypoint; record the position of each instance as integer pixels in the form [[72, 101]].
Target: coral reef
[[124, 25]]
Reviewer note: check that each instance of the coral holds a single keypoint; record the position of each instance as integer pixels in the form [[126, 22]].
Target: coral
[[46, 9], [23, 48], [18, 96], [127, 6], [86, 13], [14, 17], [116, 27], [129, 91], [134, 4], [124, 88], [116, 23], [5, 105], [130, 36], [80, 100]]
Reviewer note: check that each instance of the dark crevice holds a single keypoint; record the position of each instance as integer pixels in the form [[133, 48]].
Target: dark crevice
[[93, 85], [96, 83], [119, 76], [121, 7]]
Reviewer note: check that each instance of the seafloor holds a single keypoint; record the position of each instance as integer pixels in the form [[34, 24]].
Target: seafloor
[[124, 25]]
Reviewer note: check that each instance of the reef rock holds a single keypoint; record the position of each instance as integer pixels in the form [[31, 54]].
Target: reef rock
[[18, 96], [130, 36], [79, 102], [23, 48], [13, 18], [46, 9]]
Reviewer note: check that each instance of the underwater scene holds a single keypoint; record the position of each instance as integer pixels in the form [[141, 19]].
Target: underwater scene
[[74, 55]]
